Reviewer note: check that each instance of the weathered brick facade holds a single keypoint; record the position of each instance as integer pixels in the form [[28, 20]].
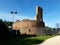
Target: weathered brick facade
[[31, 27]]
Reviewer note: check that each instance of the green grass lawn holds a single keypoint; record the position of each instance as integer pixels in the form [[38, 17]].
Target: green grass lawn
[[24, 40]]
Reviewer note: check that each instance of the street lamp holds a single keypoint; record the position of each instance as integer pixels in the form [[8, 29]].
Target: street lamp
[[12, 12]]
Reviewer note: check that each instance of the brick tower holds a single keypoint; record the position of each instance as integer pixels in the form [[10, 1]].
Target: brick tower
[[39, 16]]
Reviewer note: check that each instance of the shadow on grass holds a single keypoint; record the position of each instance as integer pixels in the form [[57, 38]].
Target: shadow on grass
[[21, 40], [31, 42]]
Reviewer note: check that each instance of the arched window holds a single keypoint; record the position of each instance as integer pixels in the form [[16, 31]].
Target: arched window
[[29, 30]]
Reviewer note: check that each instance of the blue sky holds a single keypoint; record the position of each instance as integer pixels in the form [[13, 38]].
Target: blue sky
[[27, 9]]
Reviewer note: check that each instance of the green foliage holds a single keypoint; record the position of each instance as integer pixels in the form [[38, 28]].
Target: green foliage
[[3, 29], [25, 40], [5, 24], [2, 25], [8, 23]]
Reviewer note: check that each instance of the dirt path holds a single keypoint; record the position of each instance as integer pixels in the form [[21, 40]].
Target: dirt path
[[52, 41]]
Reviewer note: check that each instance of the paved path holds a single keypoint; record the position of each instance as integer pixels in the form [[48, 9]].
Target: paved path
[[52, 41]]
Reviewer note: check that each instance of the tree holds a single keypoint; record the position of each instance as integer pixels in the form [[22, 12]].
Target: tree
[[3, 29], [8, 23], [57, 25]]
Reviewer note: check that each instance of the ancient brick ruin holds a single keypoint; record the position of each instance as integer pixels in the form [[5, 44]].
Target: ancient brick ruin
[[31, 27]]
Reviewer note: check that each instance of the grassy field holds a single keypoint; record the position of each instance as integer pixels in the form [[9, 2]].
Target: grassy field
[[24, 40]]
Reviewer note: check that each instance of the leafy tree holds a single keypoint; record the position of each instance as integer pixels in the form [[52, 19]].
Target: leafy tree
[[8, 23], [3, 29]]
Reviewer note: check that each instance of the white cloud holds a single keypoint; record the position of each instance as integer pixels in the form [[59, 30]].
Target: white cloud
[[18, 17], [9, 17]]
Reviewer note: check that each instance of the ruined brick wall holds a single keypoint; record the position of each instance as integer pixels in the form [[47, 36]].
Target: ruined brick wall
[[31, 27], [39, 14], [26, 27]]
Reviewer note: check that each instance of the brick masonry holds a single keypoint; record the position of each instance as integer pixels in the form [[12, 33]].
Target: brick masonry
[[31, 27]]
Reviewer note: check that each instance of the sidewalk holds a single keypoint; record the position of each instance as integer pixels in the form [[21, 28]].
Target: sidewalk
[[52, 41]]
